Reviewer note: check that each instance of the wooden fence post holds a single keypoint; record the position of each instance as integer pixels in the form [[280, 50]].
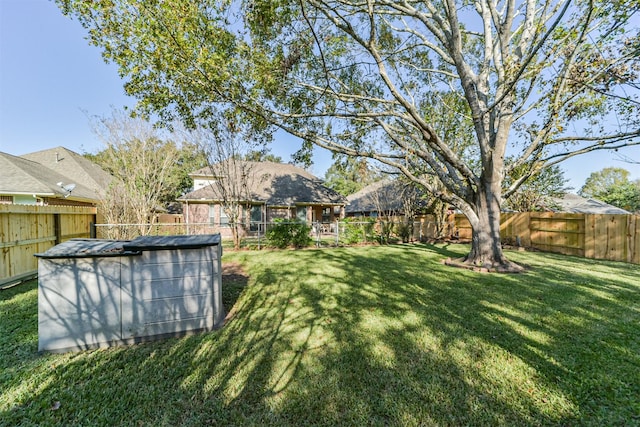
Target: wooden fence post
[[589, 236], [57, 228], [633, 239]]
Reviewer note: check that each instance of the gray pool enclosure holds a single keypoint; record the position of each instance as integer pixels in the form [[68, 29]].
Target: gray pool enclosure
[[99, 293]]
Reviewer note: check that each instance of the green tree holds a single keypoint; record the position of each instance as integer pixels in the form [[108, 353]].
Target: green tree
[[118, 134], [178, 182], [538, 192], [600, 182], [625, 196], [355, 78], [143, 165], [612, 185], [262, 156], [191, 158], [348, 175]]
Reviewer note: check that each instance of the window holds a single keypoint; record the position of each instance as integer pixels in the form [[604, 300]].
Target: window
[[256, 217], [24, 200], [212, 214], [301, 213], [326, 215], [224, 219]]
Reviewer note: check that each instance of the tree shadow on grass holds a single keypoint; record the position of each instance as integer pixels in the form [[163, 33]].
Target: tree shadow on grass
[[18, 327], [376, 335], [544, 327]]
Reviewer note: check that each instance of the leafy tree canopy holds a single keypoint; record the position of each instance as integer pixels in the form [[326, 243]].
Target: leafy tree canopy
[[348, 175], [598, 183], [262, 156], [538, 192], [529, 79], [612, 185], [155, 164]]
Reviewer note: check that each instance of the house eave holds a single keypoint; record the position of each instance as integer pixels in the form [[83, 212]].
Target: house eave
[[26, 193], [262, 202], [208, 200], [319, 204]]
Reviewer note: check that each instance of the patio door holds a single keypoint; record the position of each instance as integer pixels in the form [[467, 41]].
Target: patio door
[[256, 218], [301, 213]]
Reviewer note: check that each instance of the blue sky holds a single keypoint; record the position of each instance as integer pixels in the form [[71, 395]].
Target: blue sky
[[52, 80]]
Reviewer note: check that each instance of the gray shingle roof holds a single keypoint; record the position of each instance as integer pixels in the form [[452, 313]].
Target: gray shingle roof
[[22, 176], [276, 184], [572, 203], [386, 195], [74, 167]]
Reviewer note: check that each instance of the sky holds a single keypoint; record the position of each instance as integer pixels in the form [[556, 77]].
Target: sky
[[52, 81]]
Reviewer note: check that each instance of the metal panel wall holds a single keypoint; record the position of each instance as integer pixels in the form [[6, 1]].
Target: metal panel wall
[[79, 302], [172, 291]]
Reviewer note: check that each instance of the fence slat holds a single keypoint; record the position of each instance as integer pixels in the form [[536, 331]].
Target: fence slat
[[597, 236], [26, 230]]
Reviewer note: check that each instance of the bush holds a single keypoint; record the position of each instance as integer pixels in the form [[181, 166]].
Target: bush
[[284, 234], [300, 235], [386, 227], [403, 231], [357, 230]]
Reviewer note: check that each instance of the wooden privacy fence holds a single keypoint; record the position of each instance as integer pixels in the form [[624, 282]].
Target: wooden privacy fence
[[597, 236], [27, 230]]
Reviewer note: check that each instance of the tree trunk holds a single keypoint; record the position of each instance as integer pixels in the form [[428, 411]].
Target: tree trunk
[[234, 226], [236, 237], [486, 249]]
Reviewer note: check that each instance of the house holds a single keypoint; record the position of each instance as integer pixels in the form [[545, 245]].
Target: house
[[77, 168], [386, 197], [265, 191], [572, 203], [74, 181]]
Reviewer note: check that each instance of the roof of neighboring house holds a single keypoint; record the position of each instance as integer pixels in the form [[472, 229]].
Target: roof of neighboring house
[[276, 184], [573, 203], [385, 195], [26, 177], [75, 168]]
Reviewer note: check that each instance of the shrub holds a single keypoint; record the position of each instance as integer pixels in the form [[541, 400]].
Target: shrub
[[386, 227], [283, 234], [357, 230], [300, 235], [403, 231]]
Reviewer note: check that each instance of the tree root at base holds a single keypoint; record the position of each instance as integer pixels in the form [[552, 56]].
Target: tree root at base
[[508, 267]]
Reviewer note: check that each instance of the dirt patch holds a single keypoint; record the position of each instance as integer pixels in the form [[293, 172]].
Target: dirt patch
[[234, 280], [233, 272]]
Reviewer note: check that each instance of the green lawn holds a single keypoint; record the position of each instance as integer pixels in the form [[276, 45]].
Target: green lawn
[[371, 335]]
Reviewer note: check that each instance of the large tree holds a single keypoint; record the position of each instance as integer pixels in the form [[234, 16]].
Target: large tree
[[535, 78], [143, 164], [539, 191], [612, 185], [348, 175], [187, 157]]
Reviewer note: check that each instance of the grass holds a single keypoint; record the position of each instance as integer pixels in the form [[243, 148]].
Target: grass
[[357, 336]]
